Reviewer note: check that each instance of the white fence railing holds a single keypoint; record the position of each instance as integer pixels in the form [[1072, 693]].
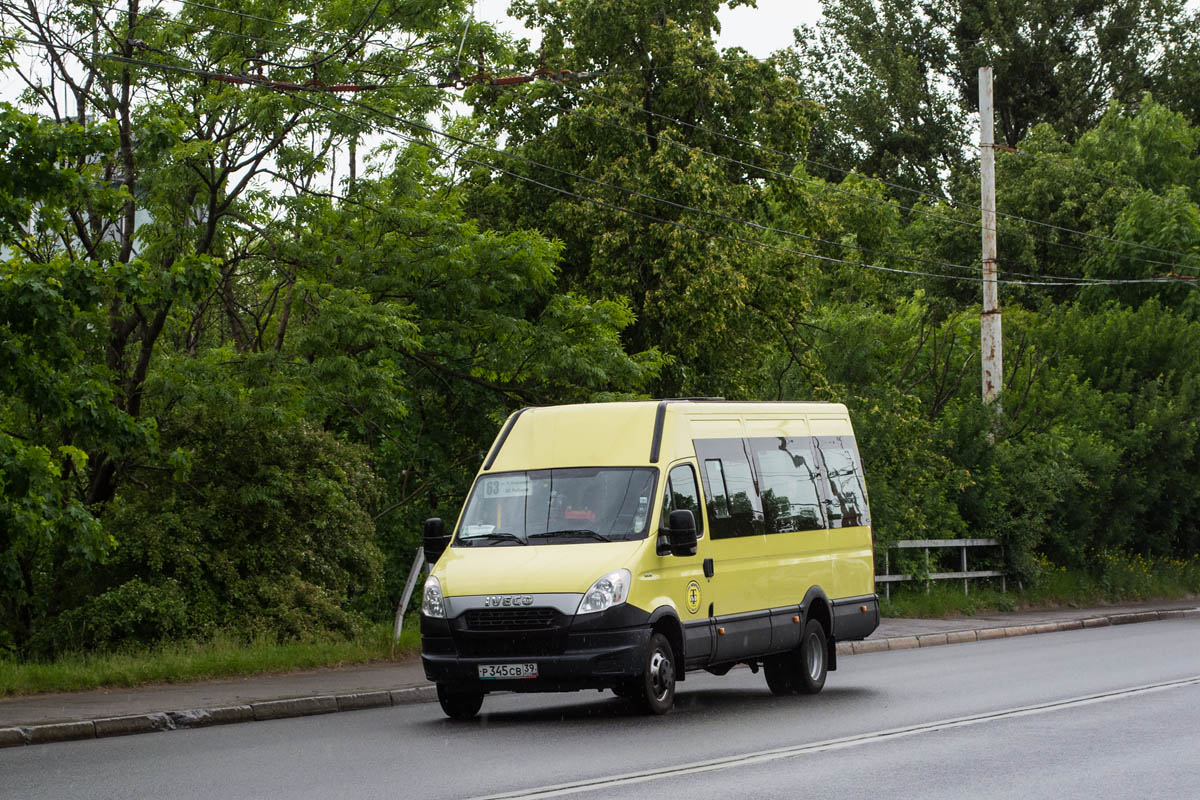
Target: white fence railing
[[964, 574]]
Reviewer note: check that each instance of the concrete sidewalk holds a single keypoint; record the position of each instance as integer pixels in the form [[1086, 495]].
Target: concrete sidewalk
[[77, 715]]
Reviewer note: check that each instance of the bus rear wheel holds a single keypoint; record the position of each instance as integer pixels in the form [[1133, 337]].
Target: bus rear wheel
[[812, 662]]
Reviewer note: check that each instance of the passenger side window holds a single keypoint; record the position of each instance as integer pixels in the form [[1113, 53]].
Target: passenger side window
[[843, 487], [734, 508], [682, 494], [718, 503], [788, 479]]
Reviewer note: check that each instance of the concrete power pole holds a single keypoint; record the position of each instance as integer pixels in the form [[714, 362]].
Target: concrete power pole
[[990, 337]]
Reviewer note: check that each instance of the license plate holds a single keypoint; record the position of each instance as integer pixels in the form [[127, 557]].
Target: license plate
[[491, 672]]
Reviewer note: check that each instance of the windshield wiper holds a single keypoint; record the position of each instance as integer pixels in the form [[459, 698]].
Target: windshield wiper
[[577, 533], [496, 536]]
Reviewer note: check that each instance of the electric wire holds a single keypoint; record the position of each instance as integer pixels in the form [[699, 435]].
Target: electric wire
[[794, 157], [459, 157], [1096, 236], [1055, 159], [1059, 279], [718, 215], [688, 226], [1062, 280], [787, 176], [344, 47], [783, 154], [791, 156]]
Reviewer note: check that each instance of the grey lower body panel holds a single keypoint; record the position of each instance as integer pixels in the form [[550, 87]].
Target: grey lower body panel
[[855, 617]]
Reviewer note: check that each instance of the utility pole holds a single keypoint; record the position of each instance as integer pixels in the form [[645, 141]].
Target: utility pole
[[990, 337]]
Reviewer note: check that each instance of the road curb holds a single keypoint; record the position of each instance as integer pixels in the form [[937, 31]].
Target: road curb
[[204, 717], [17, 736], [984, 634]]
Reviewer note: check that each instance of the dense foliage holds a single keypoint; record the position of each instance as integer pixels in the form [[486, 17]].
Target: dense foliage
[[252, 333]]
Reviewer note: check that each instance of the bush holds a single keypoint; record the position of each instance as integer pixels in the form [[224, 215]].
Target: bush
[[132, 612], [267, 534]]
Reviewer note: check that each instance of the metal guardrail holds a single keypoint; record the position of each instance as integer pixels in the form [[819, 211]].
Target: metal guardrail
[[926, 544]]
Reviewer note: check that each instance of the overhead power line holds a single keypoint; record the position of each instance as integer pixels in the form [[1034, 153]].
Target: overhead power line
[[563, 76], [412, 124], [249, 80], [795, 157], [344, 47], [834, 188], [289, 86], [575, 112]]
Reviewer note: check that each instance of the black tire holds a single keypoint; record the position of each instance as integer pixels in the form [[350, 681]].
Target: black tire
[[812, 659], [459, 703], [657, 682], [627, 690], [779, 671]]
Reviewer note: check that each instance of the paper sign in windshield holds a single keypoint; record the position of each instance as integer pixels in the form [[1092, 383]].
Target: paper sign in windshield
[[502, 486]]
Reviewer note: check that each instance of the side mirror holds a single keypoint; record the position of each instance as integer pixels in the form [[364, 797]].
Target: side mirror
[[436, 540], [682, 527]]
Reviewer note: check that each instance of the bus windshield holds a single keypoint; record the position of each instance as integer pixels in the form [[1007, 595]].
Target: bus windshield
[[558, 506]]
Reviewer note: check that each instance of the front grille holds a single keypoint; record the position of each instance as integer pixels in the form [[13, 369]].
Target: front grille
[[509, 619]]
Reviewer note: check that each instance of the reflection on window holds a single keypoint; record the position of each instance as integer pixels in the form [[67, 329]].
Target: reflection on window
[[788, 480], [682, 494], [734, 507], [718, 491], [846, 503]]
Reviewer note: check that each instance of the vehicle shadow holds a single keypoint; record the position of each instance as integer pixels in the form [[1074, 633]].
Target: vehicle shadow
[[689, 704]]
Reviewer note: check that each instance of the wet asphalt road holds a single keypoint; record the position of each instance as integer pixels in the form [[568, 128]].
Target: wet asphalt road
[[1016, 717]]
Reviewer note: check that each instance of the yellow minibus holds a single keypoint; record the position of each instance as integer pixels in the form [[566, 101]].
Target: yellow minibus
[[620, 545]]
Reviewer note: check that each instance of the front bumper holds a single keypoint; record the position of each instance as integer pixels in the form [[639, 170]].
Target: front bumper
[[569, 655]]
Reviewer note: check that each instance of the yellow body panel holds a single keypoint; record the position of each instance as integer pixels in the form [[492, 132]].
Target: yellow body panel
[[536, 569], [751, 572]]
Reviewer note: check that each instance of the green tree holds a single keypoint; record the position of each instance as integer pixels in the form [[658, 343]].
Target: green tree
[[899, 78], [415, 333], [669, 119], [55, 405], [1119, 203], [221, 326], [1057, 61], [879, 69]]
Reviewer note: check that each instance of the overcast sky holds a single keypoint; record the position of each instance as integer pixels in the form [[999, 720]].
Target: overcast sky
[[761, 30]]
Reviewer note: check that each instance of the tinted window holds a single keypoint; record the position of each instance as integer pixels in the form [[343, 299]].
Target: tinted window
[[843, 486], [733, 504], [682, 494], [718, 492], [788, 481]]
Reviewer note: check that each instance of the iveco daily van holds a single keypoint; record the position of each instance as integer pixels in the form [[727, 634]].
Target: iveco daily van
[[619, 545]]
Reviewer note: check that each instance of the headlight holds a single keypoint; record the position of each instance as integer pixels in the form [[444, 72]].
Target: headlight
[[609, 591], [431, 604]]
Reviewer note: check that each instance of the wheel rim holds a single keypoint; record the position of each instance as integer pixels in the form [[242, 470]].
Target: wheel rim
[[814, 657], [662, 675]]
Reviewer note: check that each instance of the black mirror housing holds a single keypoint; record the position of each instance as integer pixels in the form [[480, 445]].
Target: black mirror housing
[[436, 540], [682, 527]]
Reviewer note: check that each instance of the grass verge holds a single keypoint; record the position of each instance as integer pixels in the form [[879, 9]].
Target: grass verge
[[1118, 578], [220, 657]]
